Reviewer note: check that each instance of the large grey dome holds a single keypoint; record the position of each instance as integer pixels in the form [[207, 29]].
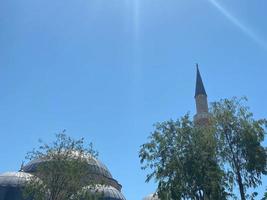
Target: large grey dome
[[10, 185], [97, 170], [95, 166]]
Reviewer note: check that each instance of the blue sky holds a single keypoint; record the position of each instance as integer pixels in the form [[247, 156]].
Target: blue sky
[[107, 70]]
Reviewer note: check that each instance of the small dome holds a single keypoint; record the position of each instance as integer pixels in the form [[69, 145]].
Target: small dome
[[107, 192], [94, 165], [14, 179], [151, 197], [10, 185]]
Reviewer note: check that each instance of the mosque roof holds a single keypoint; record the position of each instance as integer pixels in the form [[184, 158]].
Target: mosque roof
[[107, 192], [10, 182], [13, 179], [151, 197], [94, 166]]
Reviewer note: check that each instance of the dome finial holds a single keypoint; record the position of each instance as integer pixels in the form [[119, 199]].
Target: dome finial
[[21, 166]]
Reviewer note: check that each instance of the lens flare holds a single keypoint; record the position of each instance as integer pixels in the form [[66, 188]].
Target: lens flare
[[239, 24]]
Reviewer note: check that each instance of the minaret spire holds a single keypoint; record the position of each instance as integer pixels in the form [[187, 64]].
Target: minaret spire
[[202, 115], [200, 89]]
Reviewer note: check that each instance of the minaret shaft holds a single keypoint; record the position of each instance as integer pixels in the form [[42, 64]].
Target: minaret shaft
[[201, 104]]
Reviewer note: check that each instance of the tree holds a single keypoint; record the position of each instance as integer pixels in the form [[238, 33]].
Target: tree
[[240, 138], [63, 170], [182, 159], [265, 196]]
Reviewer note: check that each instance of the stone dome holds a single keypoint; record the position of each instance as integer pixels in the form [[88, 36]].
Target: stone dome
[[97, 170], [151, 197], [11, 183], [95, 166], [107, 192], [14, 179]]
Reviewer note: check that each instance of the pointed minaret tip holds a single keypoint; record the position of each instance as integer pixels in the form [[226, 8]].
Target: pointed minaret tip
[[202, 115], [200, 89]]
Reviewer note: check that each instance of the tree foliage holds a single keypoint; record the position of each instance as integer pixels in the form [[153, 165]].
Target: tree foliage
[[240, 138], [189, 161], [63, 172], [265, 196], [182, 159]]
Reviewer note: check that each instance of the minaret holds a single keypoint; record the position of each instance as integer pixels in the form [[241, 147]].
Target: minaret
[[202, 115]]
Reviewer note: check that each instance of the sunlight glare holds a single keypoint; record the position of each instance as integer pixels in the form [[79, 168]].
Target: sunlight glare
[[240, 25], [136, 17]]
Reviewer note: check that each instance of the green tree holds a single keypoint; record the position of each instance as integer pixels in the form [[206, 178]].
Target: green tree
[[182, 159], [265, 196], [63, 172], [239, 137]]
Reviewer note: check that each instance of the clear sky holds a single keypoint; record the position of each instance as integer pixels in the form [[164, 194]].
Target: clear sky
[[107, 70]]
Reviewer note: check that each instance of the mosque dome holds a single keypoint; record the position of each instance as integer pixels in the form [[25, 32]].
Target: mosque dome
[[14, 179], [11, 183], [107, 192], [151, 197], [94, 166], [97, 170]]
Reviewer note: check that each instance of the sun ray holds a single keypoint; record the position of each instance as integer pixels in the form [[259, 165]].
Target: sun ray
[[250, 33], [136, 17]]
